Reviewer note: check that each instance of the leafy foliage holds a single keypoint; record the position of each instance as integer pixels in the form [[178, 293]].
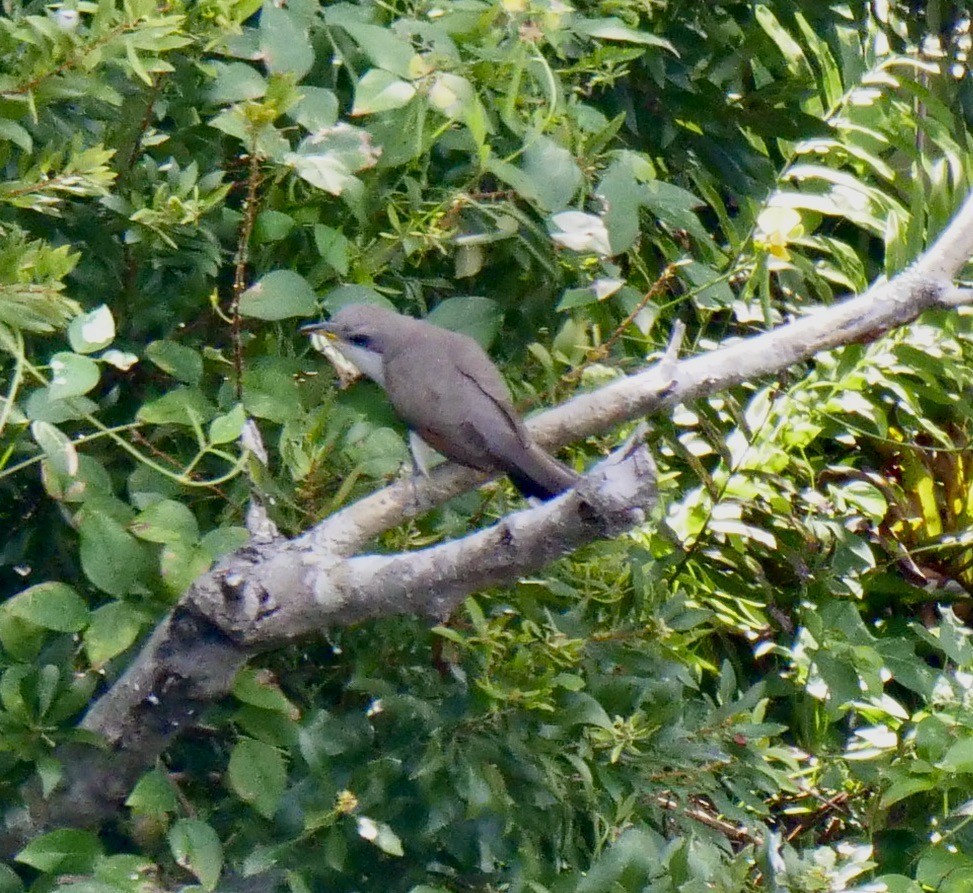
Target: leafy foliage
[[767, 687]]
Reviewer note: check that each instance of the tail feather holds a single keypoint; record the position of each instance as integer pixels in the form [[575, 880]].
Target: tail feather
[[540, 475]]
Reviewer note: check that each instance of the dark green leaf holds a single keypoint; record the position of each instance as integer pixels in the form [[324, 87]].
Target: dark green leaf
[[255, 688], [111, 558], [196, 847], [153, 794], [272, 226], [182, 406], [333, 247], [66, 850], [475, 316], [178, 360], [257, 774]]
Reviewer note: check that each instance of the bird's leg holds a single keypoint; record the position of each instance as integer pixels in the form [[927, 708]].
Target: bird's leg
[[423, 456], [422, 453]]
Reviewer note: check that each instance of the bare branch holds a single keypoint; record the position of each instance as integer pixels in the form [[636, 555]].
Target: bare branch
[[668, 383], [275, 591], [953, 249]]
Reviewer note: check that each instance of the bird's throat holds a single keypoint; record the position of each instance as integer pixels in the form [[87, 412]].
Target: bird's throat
[[369, 362]]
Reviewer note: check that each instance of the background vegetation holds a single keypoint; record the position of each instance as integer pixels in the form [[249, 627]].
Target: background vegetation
[[773, 689]]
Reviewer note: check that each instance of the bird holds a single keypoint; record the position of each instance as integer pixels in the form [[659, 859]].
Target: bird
[[448, 391]]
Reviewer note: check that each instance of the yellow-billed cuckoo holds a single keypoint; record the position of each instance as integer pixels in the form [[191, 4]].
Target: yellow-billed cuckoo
[[447, 390]]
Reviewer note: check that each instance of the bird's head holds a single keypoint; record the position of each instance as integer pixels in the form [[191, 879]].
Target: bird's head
[[363, 334]]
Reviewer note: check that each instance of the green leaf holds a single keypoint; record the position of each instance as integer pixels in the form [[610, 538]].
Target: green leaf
[[452, 95], [73, 696], [867, 498], [92, 331], [284, 44], [227, 428], [66, 850], [182, 406], [272, 226], [944, 870], [113, 628], [469, 261], [335, 299], [235, 82], [279, 295], [111, 557], [959, 758], [382, 46], [327, 159], [196, 847], [333, 247], [153, 794], [223, 540], [123, 873], [14, 133], [166, 521], [255, 688], [269, 393], [674, 207], [12, 691], [473, 315], [72, 375], [622, 195], [54, 606], [22, 641], [257, 774], [50, 772], [177, 360], [381, 835], [180, 564], [553, 173], [380, 91], [599, 290], [88, 886], [9, 882], [714, 291], [57, 447], [40, 407], [582, 709], [316, 109], [906, 787], [611, 28]]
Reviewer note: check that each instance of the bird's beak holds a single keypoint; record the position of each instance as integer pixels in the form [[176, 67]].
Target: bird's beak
[[319, 328]]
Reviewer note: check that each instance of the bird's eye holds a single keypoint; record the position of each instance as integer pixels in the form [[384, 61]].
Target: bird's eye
[[359, 340]]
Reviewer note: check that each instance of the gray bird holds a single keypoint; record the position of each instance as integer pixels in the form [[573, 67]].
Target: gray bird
[[446, 389]]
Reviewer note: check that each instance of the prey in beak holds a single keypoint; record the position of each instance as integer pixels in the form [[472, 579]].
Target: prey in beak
[[324, 340]]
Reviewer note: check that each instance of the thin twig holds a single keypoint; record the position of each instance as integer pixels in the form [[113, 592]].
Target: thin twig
[[242, 258]]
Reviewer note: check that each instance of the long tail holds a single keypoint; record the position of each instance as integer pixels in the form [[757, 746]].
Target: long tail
[[540, 475]]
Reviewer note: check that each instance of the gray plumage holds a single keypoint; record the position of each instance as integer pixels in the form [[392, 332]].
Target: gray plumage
[[444, 387]]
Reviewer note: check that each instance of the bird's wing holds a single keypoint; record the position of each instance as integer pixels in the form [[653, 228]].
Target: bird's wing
[[480, 373]]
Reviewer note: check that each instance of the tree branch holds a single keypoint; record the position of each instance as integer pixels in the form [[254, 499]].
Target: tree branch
[[276, 591], [882, 308]]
